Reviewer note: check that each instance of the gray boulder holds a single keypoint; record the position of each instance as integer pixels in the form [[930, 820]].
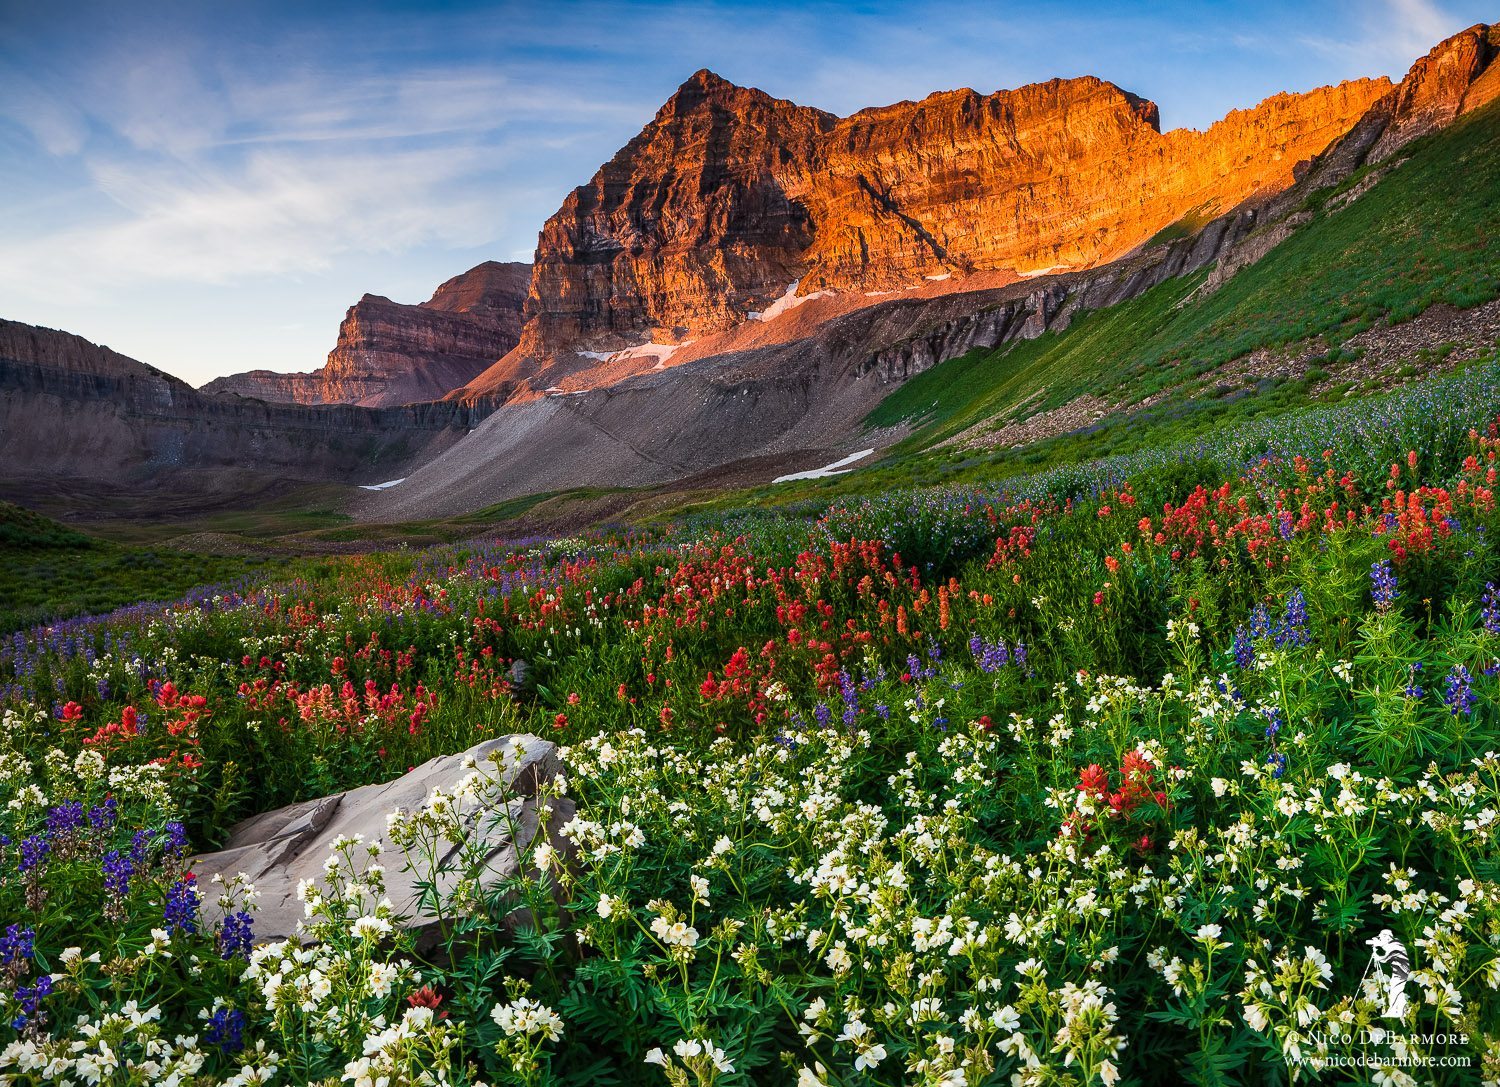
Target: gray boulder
[[491, 800]]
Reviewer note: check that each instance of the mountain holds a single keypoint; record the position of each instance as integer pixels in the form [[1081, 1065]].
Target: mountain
[[73, 410], [738, 289], [797, 387], [389, 354], [731, 204]]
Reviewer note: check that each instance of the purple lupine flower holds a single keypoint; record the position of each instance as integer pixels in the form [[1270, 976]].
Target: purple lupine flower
[[850, 696], [1458, 692], [1260, 622], [1293, 629], [883, 711], [236, 935], [181, 910], [66, 819], [34, 851], [1383, 588], [1414, 690], [226, 1029], [991, 658], [823, 714], [117, 868], [30, 1017], [17, 948], [176, 836], [1490, 613], [1277, 761], [105, 816], [1273, 721], [1244, 650]]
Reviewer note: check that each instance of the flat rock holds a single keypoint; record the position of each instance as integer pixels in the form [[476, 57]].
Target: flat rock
[[494, 788]]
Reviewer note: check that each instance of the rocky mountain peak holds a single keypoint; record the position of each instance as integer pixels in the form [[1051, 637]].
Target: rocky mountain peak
[[389, 353], [1457, 76], [730, 198], [706, 91], [493, 289]]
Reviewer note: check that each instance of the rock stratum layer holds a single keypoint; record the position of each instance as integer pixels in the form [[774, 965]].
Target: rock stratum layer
[[390, 354], [729, 196]]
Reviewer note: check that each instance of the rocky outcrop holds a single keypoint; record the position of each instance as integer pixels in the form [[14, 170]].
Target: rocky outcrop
[[306, 388], [393, 354], [1459, 75], [492, 799], [389, 353], [70, 409], [729, 197], [492, 291]]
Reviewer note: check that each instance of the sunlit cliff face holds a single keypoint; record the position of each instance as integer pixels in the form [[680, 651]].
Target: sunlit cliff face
[[728, 196]]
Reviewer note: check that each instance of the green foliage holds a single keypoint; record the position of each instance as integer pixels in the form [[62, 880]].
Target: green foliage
[[50, 572]]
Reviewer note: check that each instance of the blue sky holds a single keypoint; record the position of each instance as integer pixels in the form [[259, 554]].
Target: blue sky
[[207, 187]]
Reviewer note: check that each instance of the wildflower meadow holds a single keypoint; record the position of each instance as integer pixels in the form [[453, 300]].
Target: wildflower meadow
[[1179, 769]]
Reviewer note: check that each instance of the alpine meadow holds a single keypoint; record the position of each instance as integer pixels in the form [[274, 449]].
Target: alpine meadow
[[1053, 641]]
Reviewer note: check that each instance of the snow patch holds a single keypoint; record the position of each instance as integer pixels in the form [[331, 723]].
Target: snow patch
[[387, 485], [659, 351], [1042, 271], [939, 278], [788, 301], [835, 469], [648, 350]]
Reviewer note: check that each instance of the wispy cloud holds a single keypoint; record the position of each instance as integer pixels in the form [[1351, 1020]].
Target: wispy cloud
[[206, 165], [273, 214], [1416, 26], [1388, 35]]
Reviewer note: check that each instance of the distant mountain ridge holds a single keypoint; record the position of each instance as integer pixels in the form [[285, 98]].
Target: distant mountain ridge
[[71, 409], [389, 353]]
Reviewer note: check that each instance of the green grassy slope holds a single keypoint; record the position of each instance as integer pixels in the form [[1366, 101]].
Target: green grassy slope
[[49, 571], [1427, 232]]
